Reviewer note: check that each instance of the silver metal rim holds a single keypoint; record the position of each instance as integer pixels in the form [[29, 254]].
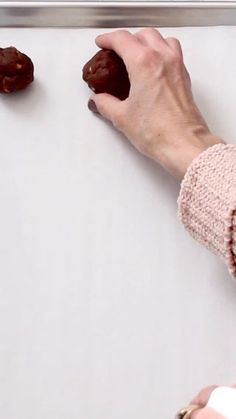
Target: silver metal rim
[[117, 14]]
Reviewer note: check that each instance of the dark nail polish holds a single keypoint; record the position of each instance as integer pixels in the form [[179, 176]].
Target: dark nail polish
[[92, 106]]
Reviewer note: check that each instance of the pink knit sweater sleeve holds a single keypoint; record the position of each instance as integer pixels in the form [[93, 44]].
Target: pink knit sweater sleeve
[[207, 201]]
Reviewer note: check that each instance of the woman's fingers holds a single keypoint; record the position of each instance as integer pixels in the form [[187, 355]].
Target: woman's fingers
[[152, 38], [175, 46], [107, 106], [126, 45], [130, 47]]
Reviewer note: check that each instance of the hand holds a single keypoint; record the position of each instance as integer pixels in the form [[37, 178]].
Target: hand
[[202, 399], [159, 117]]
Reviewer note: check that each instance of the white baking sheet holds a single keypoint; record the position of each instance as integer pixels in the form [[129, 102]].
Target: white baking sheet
[[89, 1], [108, 309]]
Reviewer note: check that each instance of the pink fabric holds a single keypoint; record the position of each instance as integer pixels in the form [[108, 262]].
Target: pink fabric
[[207, 201]]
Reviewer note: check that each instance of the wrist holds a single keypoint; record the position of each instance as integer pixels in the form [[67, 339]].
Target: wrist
[[179, 155], [193, 150]]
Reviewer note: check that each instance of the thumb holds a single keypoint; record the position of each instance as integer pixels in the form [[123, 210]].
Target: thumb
[[106, 105]]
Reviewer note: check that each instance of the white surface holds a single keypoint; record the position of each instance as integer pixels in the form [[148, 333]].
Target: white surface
[[108, 309], [103, 1], [223, 401]]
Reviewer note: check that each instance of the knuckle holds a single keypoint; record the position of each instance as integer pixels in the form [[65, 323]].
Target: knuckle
[[175, 45], [148, 31], [121, 32], [174, 40], [175, 59], [188, 78]]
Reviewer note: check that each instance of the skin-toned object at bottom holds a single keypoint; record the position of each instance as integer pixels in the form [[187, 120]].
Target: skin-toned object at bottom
[[223, 401], [213, 402], [186, 412]]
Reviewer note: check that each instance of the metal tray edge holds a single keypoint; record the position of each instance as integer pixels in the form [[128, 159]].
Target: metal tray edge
[[116, 14]]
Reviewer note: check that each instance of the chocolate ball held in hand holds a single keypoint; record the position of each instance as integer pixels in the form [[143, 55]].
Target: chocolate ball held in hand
[[106, 73], [16, 70]]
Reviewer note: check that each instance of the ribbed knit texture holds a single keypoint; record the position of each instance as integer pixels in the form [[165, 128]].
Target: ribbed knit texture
[[207, 201]]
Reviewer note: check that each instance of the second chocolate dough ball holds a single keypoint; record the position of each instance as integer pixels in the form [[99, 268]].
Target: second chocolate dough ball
[[106, 73], [16, 70]]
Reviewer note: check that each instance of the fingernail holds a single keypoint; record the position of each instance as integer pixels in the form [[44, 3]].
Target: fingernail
[[92, 106]]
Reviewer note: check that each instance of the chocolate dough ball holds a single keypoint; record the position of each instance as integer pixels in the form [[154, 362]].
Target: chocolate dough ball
[[106, 73], [16, 70]]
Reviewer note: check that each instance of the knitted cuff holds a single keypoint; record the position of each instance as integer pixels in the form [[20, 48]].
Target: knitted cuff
[[207, 201]]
